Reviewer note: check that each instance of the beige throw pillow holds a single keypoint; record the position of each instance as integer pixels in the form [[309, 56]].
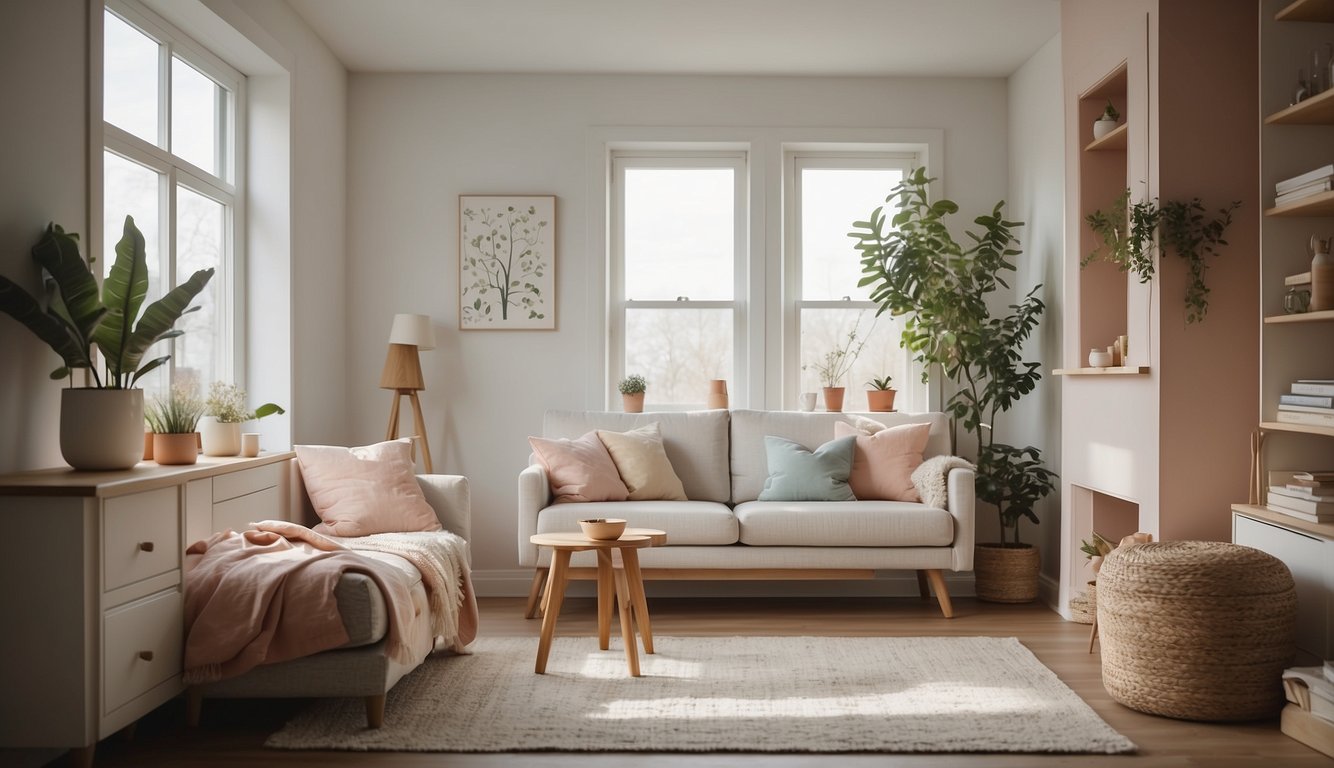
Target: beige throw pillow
[[643, 464], [360, 491]]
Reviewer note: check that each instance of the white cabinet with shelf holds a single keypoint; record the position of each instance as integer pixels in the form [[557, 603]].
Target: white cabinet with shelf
[[1308, 551], [93, 594]]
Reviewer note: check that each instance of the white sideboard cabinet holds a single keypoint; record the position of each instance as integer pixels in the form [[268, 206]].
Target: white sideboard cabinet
[[91, 595], [1308, 551]]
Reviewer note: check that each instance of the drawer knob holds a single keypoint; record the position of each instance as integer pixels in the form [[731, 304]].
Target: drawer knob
[[146, 655], [146, 546]]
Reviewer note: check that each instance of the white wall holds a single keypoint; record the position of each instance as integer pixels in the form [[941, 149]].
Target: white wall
[[418, 141], [1037, 197], [45, 141]]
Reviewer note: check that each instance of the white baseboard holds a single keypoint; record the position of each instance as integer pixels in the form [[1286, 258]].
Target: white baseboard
[[516, 582]]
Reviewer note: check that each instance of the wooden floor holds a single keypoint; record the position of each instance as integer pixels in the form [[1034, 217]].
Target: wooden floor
[[233, 732]]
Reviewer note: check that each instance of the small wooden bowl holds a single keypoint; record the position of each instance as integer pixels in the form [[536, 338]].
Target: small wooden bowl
[[603, 528]]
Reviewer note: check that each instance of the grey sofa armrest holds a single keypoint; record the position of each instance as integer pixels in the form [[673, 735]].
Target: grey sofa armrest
[[962, 507], [451, 498], [534, 496]]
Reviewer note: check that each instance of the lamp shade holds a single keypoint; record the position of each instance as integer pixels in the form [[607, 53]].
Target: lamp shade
[[414, 330]]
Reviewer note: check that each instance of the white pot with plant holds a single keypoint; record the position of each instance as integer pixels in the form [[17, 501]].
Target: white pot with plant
[[174, 420], [1107, 122], [632, 389], [102, 425], [224, 413]]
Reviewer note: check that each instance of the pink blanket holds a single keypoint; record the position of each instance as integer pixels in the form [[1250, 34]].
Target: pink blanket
[[256, 598]]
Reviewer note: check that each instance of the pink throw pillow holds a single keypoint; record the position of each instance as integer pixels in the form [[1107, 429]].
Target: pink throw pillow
[[882, 463], [579, 470], [365, 490]]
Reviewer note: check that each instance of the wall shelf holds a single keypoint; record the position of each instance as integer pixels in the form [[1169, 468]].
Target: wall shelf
[[1120, 370], [1315, 205], [1317, 110], [1300, 279], [1116, 140], [1303, 317], [1307, 10], [1305, 429]]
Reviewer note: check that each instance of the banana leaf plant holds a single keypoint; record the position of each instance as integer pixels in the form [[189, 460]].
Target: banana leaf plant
[[76, 317]]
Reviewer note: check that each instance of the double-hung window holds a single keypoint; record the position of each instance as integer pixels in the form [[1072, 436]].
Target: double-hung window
[[172, 159], [829, 321], [677, 277]]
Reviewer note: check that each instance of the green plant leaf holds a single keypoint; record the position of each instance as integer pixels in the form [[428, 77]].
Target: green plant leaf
[[160, 316], [124, 290], [58, 253], [20, 305]]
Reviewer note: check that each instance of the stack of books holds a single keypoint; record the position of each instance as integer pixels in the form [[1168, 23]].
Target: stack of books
[[1311, 401], [1309, 717], [1304, 495], [1306, 185]]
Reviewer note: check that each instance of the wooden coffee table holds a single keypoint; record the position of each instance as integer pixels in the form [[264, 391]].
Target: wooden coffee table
[[626, 584]]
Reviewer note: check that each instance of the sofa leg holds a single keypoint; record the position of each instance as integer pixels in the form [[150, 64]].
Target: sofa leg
[[942, 594], [922, 588], [535, 593], [194, 706], [375, 711]]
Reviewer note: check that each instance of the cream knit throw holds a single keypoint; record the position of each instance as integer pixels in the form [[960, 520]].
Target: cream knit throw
[[441, 558], [930, 476]]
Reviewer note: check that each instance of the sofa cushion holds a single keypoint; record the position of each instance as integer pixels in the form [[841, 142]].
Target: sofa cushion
[[686, 522], [799, 474], [883, 462], [643, 464], [749, 428], [365, 490], [579, 469], [843, 524], [695, 442], [361, 604]]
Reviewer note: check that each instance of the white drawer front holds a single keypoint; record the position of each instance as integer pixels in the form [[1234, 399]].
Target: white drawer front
[[237, 514], [142, 647], [247, 481], [140, 536]]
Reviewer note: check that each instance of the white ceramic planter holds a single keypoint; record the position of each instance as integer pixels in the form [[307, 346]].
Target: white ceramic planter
[[219, 439], [1103, 127], [102, 429]]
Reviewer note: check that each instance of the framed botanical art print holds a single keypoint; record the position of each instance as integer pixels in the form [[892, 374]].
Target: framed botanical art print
[[507, 262]]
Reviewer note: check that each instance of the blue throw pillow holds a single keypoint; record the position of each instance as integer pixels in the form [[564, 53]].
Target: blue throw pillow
[[797, 474]]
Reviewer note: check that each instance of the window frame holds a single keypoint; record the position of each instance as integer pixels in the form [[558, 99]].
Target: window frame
[[174, 171], [621, 160], [794, 162]]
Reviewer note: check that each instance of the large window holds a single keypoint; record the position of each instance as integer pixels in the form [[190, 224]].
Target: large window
[[172, 156], [678, 250], [826, 312]]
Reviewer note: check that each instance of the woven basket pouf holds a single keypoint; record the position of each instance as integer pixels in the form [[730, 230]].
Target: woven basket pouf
[[1196, 630]]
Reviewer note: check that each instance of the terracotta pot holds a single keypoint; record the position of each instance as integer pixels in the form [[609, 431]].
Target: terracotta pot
[[100, 428], [833, 399], [880, 400], [633, 403], [1006, 573], [148, 446], [181, 448]]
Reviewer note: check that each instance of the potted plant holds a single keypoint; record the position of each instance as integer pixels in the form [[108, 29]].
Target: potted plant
[[173, 420], [880, 395], [224, 413], [917, 269], [834, 367], [100, 425], [632, 390], [1107, 122]]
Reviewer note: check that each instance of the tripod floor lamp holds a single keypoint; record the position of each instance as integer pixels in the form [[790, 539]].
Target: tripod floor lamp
[[403, 373]]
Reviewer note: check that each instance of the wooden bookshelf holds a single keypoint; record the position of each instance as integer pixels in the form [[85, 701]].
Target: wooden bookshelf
[[1307, 10], [1302, 317], [1315, 205], [1116, 140], [1305, 429], [1317, 110], [1119, 370]]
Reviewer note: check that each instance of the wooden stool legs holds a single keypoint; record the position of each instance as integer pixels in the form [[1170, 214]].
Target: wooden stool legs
[[560, 564]]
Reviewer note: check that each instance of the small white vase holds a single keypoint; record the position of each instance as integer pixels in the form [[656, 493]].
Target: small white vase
[[219, 438], [1099, 358], [102, 429], [1103, 127]]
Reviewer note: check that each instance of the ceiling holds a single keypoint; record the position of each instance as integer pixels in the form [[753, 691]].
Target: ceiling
[[954, 38]]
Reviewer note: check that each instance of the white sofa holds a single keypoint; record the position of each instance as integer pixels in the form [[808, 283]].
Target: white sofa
[[723, 532], [361, 668]]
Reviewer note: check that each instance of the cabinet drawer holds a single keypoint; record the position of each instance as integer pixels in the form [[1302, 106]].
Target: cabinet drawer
[[140, 536], [237, 514], [142, 647], [247, 481]]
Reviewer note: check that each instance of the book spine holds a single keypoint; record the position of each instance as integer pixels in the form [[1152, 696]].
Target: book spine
[[1301, 417], [1287, 185], [1298, 515], [1304, 388], [1315, 400], [1310, 190], [1301, 505], [1302, 492]]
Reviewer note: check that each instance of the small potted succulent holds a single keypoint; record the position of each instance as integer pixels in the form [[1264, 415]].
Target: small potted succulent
[[173, 420], [225, 412], [1107, 122], [880, 394], [632, 390]]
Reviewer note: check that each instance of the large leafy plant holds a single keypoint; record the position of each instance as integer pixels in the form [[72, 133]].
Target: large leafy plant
[[917, 270], [75, 317]]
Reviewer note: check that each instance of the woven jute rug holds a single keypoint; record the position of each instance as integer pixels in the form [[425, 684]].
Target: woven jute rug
[[700, 694]]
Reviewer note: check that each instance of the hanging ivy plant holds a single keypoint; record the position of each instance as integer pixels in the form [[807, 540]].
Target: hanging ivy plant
[[1132, 250], [1187, 231]]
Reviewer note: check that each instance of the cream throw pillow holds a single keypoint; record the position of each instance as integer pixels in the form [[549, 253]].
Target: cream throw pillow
[[643, 464], [365, 490]]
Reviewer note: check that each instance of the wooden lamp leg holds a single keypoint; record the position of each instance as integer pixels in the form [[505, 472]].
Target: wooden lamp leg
[[392, 432], [421, 429]]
